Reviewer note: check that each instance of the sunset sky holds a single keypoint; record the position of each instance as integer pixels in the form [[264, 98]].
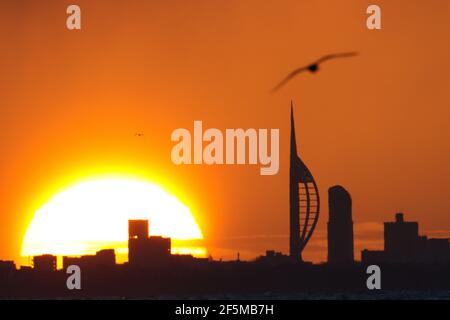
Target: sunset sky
[[72, 101]]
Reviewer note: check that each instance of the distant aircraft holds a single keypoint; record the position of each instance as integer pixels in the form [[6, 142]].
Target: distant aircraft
[[313, 67], [138, 134]]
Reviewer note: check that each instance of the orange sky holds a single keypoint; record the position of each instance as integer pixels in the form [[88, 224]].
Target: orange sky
[[71, 102]]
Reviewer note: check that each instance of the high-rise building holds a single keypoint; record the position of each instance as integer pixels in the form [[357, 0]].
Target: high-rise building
[[401, 237], [304, 202], [403, 244], [143, 250], [340, 226], [138, 229]]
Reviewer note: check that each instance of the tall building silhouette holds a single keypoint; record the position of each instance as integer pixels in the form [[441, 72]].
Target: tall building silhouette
[[401, 237], [404, 244], [340, 226], [304, 202], [145, 250]]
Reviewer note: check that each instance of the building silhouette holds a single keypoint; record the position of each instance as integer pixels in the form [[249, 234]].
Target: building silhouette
[[403, 244], [401, 238], [45, 262], [7, 266], [340, 226], [273, 258], [304, 202], [152, 271], [102, 259], [138, 229], [145, 250]]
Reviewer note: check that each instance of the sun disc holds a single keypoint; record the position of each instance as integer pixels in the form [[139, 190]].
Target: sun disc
[[93, 215]]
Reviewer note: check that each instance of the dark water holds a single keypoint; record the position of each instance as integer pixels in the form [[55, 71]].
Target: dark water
[[380, 295], [376, 295]]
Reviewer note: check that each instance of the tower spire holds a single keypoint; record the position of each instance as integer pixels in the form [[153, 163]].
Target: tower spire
[[294, 208], [293, 140], [304, 203]]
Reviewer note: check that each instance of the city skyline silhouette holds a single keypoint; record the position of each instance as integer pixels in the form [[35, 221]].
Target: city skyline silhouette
[[88, 117], [150, 258]]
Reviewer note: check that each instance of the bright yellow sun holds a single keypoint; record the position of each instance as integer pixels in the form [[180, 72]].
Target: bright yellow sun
[[93, 215]]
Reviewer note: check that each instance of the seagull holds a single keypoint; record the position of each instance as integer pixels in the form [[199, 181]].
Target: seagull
[[313, 67]]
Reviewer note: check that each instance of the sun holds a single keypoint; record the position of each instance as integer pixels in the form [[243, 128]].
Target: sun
[[93, 215]]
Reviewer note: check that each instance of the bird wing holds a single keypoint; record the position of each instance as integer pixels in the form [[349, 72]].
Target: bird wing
[[289, 77], [301, 69], [336, 55]]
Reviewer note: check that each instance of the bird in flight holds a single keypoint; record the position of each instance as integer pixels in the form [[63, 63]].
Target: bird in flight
[[138, 134], [313, 67]]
